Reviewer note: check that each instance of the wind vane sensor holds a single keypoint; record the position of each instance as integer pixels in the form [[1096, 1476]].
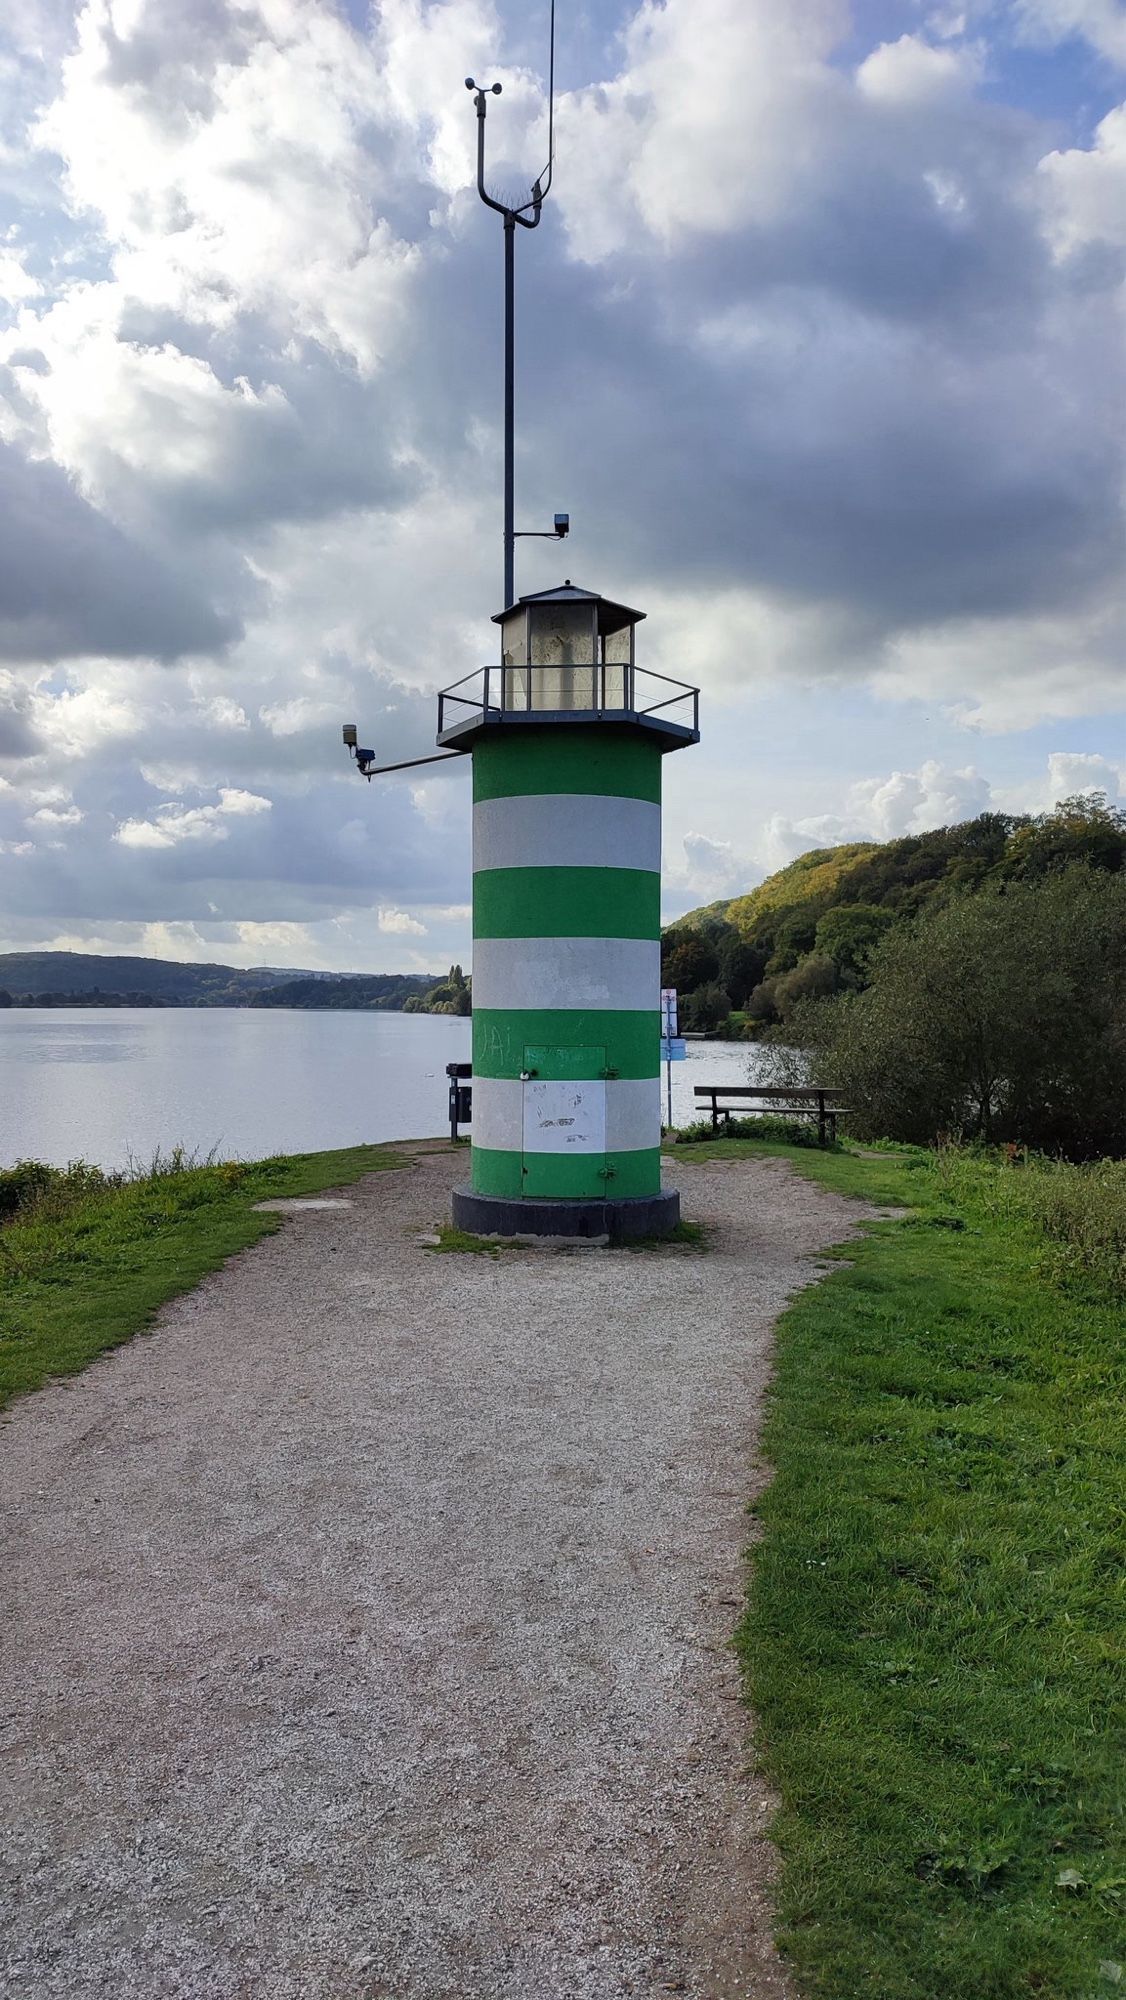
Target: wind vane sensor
[[526, 214]]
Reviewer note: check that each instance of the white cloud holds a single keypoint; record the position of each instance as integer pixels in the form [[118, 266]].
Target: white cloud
[[225, 161], [400, 923], [1100, 22], [1005, 674], [1085, 188], [16, 282], [176, 823], [910, 802], [910, 72], [914, 801], [1071, 773], [56, 816], [719, 116]]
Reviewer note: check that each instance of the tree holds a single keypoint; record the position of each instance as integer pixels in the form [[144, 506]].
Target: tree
[[760, 1003], [794, 935], [707, 1008], [687, 959], [849, 935], [1000, 1016], [741, 966], [1079, 829]]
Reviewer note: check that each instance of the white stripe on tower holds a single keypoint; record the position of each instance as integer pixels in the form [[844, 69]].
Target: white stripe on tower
[[566, 972], [566, 830]]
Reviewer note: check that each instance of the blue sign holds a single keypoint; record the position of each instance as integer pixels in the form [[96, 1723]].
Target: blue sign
[[672, 1049]]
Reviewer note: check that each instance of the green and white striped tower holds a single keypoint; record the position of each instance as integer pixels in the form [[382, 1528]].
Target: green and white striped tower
[[567, 738]]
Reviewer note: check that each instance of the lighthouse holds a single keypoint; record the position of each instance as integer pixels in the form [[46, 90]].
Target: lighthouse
[[567, 736]]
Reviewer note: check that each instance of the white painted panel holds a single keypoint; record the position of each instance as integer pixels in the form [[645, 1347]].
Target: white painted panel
[[564, 1117], [498, 1113], [567, 973], [633, 1114], [566, 830]]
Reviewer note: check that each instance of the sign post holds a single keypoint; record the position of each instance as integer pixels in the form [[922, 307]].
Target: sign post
[[669, 1026]]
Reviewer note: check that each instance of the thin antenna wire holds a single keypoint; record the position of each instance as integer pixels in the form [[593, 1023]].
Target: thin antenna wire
[[545, 177]]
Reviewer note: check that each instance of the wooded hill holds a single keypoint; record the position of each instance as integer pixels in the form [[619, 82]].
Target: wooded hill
[[810, 930], [87, 979]]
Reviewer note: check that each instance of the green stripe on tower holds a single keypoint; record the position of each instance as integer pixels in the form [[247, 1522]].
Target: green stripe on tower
[[501, 1034], [602, 1176], [566, 902], [616, 762]]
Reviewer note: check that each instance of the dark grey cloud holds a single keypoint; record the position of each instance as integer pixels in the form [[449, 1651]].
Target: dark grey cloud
[[71, 583], [18, 736]]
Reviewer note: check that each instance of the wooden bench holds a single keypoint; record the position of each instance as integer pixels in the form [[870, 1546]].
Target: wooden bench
[[805, 1100]]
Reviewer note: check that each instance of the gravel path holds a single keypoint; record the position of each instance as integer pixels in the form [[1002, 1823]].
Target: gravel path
[[372, 1618]]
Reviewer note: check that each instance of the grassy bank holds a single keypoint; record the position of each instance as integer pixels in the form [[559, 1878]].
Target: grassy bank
[[935, 1638], [87, 1263]]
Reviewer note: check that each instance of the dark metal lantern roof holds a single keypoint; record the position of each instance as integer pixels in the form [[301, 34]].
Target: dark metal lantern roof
[[611, 616]]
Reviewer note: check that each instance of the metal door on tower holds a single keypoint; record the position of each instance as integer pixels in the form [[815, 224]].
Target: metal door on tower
[[564, 1118]]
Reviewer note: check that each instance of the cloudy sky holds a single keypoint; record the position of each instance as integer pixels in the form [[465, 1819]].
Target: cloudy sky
[[821, 345]]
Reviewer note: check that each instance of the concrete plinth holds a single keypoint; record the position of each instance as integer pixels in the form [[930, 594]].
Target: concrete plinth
[[622, 1221]]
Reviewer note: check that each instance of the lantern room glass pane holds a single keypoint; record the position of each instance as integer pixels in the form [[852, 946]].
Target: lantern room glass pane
[[562, 635], [562, 652], [514, 639], [617, 652]]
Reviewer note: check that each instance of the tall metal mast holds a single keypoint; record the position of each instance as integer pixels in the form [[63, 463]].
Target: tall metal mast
[[527, 214]]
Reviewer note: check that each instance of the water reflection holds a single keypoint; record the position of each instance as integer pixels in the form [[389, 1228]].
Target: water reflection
[[51, 1036]]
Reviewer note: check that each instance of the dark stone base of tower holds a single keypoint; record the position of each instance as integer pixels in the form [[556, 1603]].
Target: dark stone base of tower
[[623, 1221]]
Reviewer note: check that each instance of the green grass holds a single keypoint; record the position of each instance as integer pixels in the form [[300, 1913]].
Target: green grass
[[84, 1270], [693, 1233], [935, 1639]]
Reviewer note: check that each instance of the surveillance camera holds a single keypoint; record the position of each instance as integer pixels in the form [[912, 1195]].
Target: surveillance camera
[[364, 757], [562, 525], [350, 735]]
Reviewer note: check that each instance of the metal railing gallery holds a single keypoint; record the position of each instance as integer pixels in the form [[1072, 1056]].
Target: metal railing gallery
[[607, 688]]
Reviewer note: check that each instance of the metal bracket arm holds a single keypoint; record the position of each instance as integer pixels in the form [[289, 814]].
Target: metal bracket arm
[[370, 771]]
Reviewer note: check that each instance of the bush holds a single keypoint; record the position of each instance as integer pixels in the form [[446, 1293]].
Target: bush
[[1081, 1209], [1000, 1017], [781, 1131], [22, 1184], [813, 979]]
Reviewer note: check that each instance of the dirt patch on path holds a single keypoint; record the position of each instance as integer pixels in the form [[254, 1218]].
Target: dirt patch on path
[[367, 1625]]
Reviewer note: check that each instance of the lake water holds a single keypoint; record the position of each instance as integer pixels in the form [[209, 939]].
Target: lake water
[[108, 1086]]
